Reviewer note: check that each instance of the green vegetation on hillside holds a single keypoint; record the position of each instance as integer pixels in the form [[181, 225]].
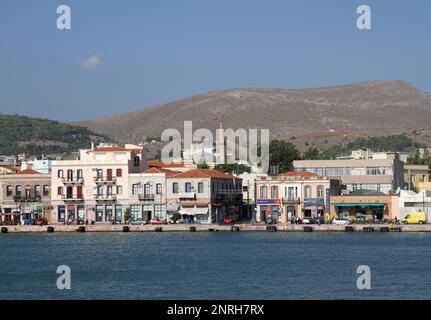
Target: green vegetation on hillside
[[36, 136], [395, 142]]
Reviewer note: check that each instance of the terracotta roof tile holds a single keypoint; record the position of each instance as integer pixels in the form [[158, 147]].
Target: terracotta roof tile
[[161, 170], [159, 164], [205, 173]]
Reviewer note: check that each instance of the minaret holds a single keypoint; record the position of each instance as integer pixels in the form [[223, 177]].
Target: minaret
[[220, 145]]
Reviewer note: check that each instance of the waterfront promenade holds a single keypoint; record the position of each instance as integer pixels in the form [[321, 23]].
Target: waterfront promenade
[[219, 228]]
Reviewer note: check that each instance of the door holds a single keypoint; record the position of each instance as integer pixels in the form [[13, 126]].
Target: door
[[109, 174], [79, 192], [69, 192]]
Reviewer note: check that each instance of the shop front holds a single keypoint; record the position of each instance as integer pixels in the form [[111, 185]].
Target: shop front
[[71, 213], [269, 211], [314, 208], [365, 208]]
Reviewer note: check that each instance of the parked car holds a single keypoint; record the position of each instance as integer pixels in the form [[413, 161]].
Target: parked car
[[41, 222], [340, 222], [28, 222], [158, 221], [414, 217], [138, 222], [228, 220], [308, 221]]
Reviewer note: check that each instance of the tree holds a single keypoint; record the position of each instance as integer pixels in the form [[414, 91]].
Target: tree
[[127, 215], [282, 154], [232, 168], [312, 153], [202, 165]]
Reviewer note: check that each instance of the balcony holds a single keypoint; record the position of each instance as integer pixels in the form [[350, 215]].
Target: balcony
[[105, 180], [229, 194], [291, 200], [146, 197], [187, 195], [72, 198], [27, 198], [105, 197], [68, 181]]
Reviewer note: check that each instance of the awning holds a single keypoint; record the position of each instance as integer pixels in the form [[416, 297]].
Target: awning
[[194, 211], [172, 207], [358, 204]]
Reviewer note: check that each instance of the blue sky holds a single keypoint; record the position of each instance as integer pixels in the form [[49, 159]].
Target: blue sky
[[125, 55]]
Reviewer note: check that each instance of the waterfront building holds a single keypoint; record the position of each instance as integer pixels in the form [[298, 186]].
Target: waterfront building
[[366, 206], [294, 194], [385, 175], [410, 201], [414, 175], [9, 169], [249, 193], [24, 195], [204, 195], [148, 194], [94, 187]]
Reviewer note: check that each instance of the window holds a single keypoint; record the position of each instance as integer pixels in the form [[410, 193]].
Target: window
[[135, 212], [159, 188], [158, 211], [99, 173], [69, 175], [135, 189], [320, 191], [188, 187], [79, 192], [109, 190], [46, 190], [274, 192], [263, 192], [200, 187], [18, 191], [99, 191], [60, 174], [8, 191], [119, 190], [292, 192], [119, 173], [60, 191], [99, 213], [147, 189], [307, 192], [245, 188], [175, 187], [136, 161], [79, 174], [37, 190]]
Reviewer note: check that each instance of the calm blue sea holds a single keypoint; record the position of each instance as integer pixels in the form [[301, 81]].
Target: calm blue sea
[[215, 265]]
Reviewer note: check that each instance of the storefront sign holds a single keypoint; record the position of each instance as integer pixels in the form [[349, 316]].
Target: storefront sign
[[314, 201], [268, 201]]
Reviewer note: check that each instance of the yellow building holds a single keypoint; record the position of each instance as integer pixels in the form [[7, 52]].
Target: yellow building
[[416, 175]]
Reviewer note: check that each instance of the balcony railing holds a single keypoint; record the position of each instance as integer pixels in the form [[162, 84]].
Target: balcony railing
[[27, 198], [291, 200], [72, 197], [72, 181], [105, 197], [146, 197], [105, 179]]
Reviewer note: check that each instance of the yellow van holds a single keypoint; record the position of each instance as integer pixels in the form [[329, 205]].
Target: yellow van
[[414, 217]]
